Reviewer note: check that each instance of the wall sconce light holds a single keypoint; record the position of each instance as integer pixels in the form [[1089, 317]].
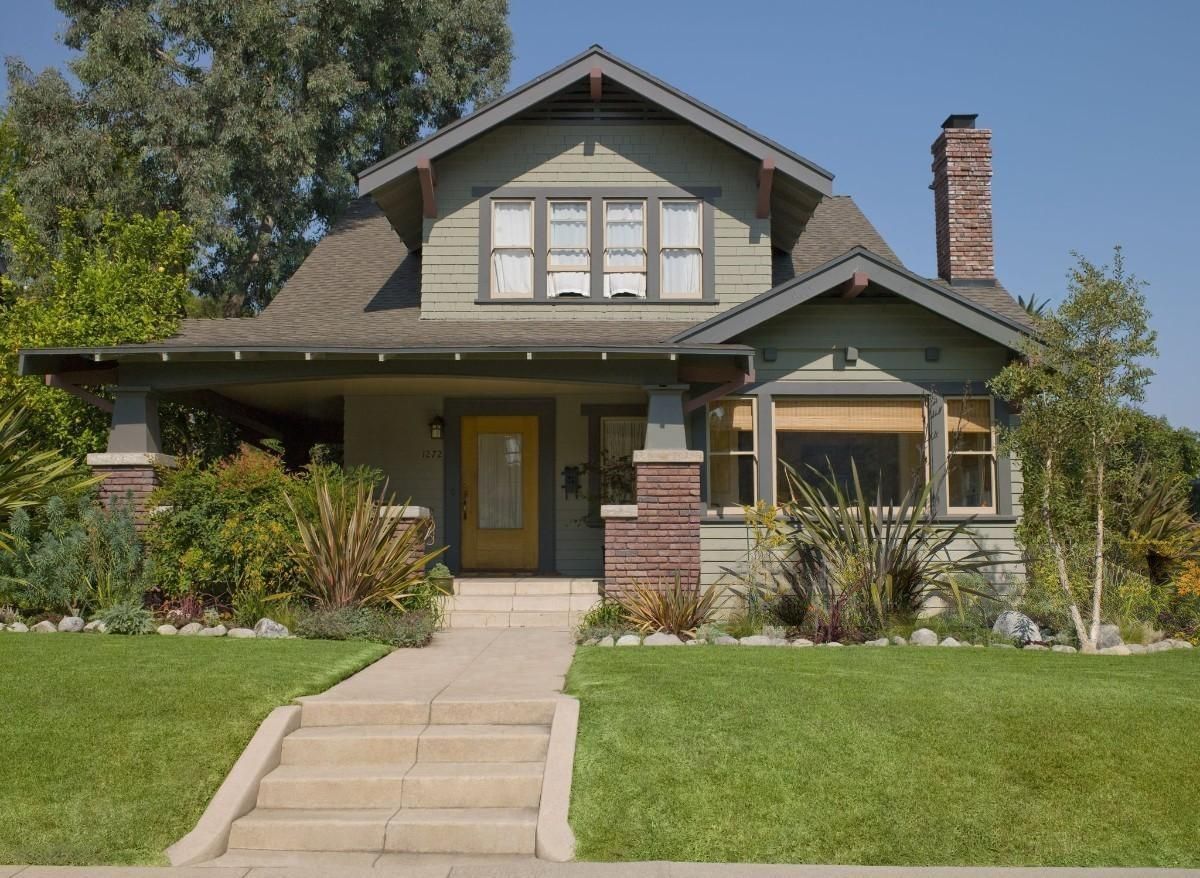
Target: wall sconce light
[[436, 426], [932, 355]]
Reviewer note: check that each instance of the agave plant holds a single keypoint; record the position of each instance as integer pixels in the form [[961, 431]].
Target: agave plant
[[1033, 307], [1161, 529], [676, 609], [28, 470], [847, 550], [356, 554]]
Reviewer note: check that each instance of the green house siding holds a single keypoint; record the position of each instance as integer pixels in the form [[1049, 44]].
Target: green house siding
[[574, 157]]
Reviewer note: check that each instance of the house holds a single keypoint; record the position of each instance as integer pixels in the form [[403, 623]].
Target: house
[[584, 324]]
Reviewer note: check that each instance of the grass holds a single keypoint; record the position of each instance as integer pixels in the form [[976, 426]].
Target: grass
[[111, 747], [901, 756]]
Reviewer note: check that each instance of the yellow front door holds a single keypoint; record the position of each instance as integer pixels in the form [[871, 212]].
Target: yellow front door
[[500, 492]]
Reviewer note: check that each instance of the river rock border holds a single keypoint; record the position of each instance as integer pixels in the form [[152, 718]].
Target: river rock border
[[266, 629]]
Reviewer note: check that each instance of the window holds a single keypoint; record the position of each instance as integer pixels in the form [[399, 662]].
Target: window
[[732, 457], [884, 437], [971, 455], [619, 438], [625, 249], [568, 265], [512, 249], [681, 251]]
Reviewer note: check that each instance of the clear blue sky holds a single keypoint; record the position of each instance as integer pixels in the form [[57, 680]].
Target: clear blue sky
[[1094, 107]]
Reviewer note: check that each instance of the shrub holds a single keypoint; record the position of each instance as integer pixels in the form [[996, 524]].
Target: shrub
[[73, 556], [127, 617], [677, 609], [355, 554], [605, 619], [378, 625]]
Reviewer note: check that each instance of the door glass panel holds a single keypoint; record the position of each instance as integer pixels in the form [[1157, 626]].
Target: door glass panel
[[499, 489]]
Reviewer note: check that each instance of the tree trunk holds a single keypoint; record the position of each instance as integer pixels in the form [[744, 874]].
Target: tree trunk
[[1086, 643], [1098, 573]]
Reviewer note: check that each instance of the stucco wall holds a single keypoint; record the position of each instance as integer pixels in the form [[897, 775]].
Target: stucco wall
[[575, 157]]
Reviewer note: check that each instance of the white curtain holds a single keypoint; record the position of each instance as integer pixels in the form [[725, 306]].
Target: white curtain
[[512, 271], [680, 273], [568, 283], [681, 248], [512, 248], [624, 242], [500, 484], [512, 224], [568, 224], [681, 224]]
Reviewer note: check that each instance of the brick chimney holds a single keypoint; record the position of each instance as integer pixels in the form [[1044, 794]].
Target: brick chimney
[[962, 201]]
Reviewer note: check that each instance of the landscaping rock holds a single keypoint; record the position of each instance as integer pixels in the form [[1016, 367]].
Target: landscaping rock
[[882, 641], [1036, 647], [1161, 646], [45, 627], [71, 624], [1136, 648], [1178, 644], [242, 633], [215, 631], [606, 641], [1110, 635], [92, 626], [1002, 646], [897, 640], [923, 637], [1016, 626], [949, 641], [629, 640], [1062, 647], [191, 628], [1120, 649], [726, 640], [18, 628], [802, 641], [695, 643], [755, 640], [662, 638], [831, 643], [167, 630], [269, 628]]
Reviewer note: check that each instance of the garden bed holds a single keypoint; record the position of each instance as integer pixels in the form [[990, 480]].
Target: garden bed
[[112, 746], [886, 756]]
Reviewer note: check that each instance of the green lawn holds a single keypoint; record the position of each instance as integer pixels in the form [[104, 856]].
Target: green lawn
[[110, 747], [901, 756]]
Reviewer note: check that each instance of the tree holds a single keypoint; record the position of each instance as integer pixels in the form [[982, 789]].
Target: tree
[[248, 118], [1075, 386]]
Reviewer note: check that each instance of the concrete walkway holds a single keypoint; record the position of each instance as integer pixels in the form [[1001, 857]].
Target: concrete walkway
[[539, 869]]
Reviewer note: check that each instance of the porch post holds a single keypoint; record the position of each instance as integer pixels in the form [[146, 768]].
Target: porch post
[[658, 538], [134, 456]]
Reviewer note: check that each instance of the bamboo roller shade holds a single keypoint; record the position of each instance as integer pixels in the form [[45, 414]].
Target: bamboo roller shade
[[738, 414], [896, 415], [969, 415]]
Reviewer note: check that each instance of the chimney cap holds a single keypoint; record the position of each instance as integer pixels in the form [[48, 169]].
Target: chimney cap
[[960, 120]]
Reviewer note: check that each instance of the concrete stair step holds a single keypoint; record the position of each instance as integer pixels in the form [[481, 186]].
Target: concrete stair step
[[316, 711], [498, 587], [326, 829], [334, 786], [483, 743], [463, 830], [341, 745], [474, 785], [486, 711]]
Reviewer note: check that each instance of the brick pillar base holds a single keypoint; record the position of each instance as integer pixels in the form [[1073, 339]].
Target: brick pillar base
[[658, 538], [129, 477]]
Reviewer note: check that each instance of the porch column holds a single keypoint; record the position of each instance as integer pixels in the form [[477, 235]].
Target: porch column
[[658, 538], [134, 457]]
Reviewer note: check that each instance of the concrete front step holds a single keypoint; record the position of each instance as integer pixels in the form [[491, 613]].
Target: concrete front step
[[429, 785], [497, 586], [483, 743], [315, 712], [342, 829], [341, 745], [520, 602], [463, 830]]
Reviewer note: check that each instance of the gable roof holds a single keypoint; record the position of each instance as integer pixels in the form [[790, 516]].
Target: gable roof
[[836, 225], [611, 67], [943, 299]]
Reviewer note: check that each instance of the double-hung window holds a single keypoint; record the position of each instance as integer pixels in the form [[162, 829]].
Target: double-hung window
[[970, 455], [512, 249], [681, 253], [568, 262], [625, 249], [732, 455]]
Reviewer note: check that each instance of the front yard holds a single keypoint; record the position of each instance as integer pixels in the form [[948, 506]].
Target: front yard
[[111, 747], [902, 756]]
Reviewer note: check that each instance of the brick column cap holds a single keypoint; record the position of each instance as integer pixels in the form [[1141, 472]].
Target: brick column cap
[[133, 458], [618, 510], [408, 512], [667, 455]]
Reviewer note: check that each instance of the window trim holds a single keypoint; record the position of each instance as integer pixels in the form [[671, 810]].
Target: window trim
[[663, 248], [990, 453], [710, 453], [550, 268], [485, 195], [511, 297]]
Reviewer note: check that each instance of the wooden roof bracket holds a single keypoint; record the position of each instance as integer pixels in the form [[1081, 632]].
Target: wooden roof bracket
[[766, 176], [428, 188], [744, 378], [104, 405], [857, 283], [595, 78]]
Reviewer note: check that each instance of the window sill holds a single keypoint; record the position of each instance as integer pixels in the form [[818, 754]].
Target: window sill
[[714, 515], [572, 301]]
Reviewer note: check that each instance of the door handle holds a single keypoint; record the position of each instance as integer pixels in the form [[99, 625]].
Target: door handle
[[464, 506]]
